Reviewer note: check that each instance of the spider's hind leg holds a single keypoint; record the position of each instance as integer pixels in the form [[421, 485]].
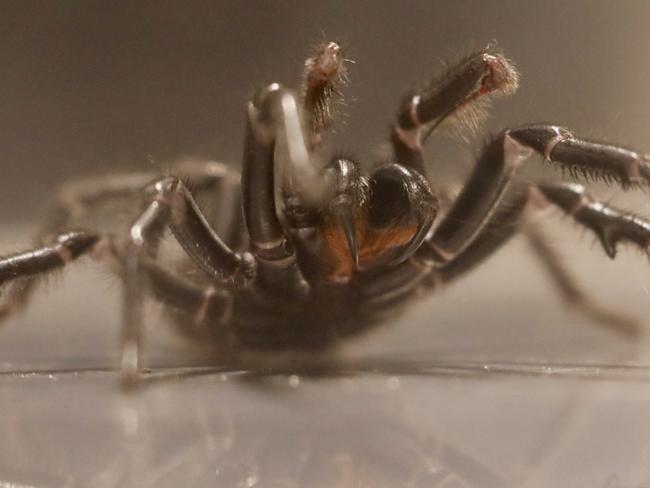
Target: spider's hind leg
[[571, 291], [22, 270], [510, 217]]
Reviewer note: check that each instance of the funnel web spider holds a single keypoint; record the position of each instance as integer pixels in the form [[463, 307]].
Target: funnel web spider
[[319, 254]]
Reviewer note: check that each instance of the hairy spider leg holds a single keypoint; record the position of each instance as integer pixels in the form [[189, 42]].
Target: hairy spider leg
[[461, 88], [493, 172], [78, 197], [348, 237], [55, 254], [135, 266], [324, 75], [74, 199], [511, 215], [499, 162], [443, 254], [480, 74], [503, 224]]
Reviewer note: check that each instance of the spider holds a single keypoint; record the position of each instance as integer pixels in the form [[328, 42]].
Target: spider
[[323, 252]]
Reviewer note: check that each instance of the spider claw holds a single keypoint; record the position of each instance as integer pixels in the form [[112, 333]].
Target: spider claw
[[418, 238]]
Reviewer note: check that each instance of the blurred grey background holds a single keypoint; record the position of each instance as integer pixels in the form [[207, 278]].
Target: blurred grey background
[[92, 86]]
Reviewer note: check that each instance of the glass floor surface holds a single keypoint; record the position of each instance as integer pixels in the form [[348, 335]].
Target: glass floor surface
[[491, 383]]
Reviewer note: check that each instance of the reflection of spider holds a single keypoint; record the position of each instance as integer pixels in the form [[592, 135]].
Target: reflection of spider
[[327, 250]]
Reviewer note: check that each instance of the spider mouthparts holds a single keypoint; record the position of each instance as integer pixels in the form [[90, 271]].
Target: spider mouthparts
[[418, 238], [343, 212]]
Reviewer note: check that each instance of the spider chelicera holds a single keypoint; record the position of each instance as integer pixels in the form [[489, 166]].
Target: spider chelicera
[[323, 253]]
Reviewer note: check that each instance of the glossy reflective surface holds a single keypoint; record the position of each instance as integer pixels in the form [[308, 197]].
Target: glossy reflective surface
[[490, 383], [433, 430]]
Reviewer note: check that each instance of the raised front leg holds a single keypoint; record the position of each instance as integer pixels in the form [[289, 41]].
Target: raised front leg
[[324, 76], [273, 119], [460, 93]]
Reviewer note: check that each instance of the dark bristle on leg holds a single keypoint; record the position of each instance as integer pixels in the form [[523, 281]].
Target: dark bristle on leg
[[482, 73], [583, 158], [16, 297]]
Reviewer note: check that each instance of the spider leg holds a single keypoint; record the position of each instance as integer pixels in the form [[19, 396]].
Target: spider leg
[[217, 181], [205, 305], [273, 117], [459, 94], [80, 196], [381, 291], [171, 205], [63, 249], [74, 199], [510, 217], [571, 291], [501, 159], [324, 75], [500, 227]]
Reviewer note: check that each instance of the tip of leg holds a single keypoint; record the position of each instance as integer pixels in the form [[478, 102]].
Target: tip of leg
[[627, 327], [631, 329], [129, 380], [130, 374]]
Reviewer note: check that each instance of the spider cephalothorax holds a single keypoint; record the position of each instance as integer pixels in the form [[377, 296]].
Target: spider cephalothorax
[[384, 224], [324, 252]]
